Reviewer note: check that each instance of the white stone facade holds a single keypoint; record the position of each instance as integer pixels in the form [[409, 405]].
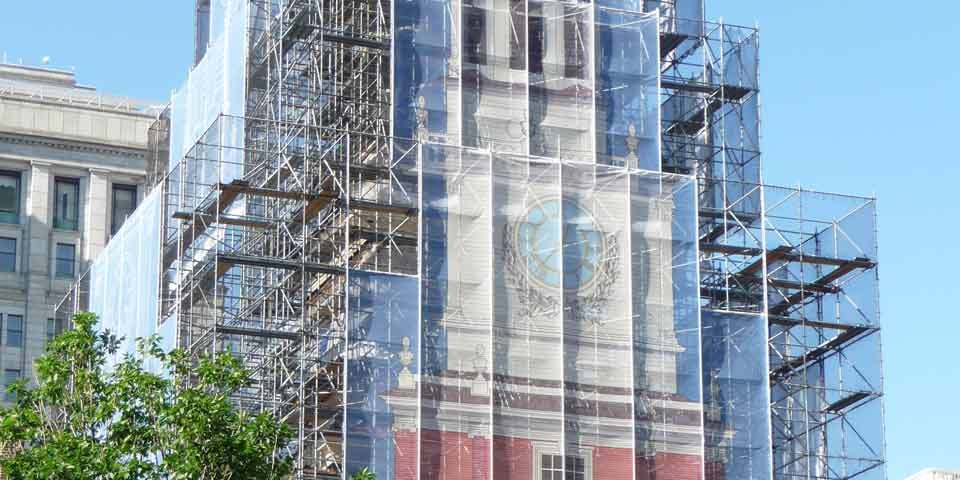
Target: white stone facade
[[51, 128], [935, 474]]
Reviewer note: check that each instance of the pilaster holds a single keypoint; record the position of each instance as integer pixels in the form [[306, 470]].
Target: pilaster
[[37, 253], [97, 216]]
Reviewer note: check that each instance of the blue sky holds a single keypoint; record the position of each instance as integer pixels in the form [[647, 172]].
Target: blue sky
[[858, 97]]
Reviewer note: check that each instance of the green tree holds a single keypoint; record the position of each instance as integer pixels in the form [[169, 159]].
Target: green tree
[[363, 474], [87, 419]]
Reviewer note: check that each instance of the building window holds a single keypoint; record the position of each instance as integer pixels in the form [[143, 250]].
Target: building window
[[14, 330], [124, 203], [518, 34], [54, 328], [202, 32], [474, 35], [9, 197], [66, 258], [10, 375], [66, 214], [8, 254], [537, 39], [552, 468], [574, 58]]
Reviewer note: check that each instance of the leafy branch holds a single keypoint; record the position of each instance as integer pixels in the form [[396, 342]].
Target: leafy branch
[[87, 418]]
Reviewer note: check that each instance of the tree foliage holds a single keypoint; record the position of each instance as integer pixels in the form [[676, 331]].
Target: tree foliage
[[88, 419], [363, 474]]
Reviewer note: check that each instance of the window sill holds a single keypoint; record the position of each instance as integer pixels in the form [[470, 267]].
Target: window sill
[[12, 280], [61, 285], [11, 227]]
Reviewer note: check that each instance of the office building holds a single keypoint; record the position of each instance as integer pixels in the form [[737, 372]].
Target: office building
[[72, 164]]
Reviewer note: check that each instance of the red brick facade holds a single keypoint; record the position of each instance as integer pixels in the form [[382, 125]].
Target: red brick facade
[[453, 455], [458, 456], [512, 458], [668, 466], [406, 455]]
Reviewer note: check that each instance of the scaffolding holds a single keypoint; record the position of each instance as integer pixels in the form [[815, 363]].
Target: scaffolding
[[825, 375], [259, 236], [256, 264], [806, 261]]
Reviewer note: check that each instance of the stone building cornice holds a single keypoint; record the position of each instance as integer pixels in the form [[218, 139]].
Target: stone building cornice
[[148, 113], [73, 145]]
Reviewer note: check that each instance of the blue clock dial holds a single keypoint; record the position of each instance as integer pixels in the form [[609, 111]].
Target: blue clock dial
[[573, 265]]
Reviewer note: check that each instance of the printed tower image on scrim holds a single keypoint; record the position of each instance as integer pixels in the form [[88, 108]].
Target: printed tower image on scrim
[[502, 239]]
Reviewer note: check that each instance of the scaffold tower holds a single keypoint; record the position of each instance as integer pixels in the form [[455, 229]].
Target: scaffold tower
[[517, 239]]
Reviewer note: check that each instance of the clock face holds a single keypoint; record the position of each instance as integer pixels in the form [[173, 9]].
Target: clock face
[[539, 239]]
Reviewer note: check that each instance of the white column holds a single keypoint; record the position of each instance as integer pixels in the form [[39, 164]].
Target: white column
[[36, 266], [96, 222]]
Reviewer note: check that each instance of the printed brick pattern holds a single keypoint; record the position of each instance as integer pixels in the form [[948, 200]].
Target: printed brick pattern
[[454, 456], [405, 458], [458, 456], [512, 458]]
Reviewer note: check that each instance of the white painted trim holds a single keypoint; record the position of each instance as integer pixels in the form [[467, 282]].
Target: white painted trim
[[540, 449]]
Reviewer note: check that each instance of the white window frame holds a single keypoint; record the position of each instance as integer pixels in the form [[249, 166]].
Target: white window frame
[[539, 450]]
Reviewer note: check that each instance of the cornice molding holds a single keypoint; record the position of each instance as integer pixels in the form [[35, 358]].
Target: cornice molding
[[65, 102], [72, 145]]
